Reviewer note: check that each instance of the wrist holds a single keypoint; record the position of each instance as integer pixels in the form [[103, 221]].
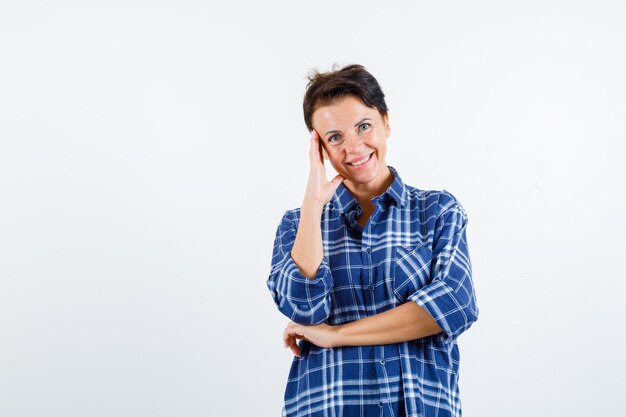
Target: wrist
[[338, 337], [312, 205]]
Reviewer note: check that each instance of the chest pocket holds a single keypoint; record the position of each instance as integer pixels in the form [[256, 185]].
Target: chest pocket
[[411, 270]]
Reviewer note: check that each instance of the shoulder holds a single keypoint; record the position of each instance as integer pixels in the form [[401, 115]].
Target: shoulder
[[291, 215], [434, 202], [290, 219], [448, 202]]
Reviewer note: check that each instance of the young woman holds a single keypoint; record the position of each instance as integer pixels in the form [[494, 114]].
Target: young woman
[[375, 274]]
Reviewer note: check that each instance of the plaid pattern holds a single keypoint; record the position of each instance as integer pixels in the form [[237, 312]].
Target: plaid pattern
[[413, 249]]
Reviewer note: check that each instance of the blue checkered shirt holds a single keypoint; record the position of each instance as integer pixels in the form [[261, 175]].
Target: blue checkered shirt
[[413, 248]]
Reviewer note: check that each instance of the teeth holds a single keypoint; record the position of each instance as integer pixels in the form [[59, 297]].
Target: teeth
[[361, 162]]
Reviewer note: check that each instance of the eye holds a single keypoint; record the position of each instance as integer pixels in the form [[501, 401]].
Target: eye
[[365, 126], [330, 139]]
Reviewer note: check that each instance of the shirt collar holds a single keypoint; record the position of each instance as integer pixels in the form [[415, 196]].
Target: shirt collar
[[344, 201]]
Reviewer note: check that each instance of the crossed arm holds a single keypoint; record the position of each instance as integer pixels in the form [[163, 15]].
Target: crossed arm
[[405, 322], [408, 321], [304, 296]]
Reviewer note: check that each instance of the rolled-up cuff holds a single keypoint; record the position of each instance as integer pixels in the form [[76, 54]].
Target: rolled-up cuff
[[441, 303], [303, 300]]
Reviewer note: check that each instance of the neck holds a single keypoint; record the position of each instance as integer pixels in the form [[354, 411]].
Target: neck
[[365, 192]]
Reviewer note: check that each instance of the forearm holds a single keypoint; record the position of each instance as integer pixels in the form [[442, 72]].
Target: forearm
[[307, 251], [406, 322]]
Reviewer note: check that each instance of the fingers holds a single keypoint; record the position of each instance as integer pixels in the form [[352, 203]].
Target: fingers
[[337, 180], [321, 148], [293, 346], [318, 187], [290, 336], [315, 152]]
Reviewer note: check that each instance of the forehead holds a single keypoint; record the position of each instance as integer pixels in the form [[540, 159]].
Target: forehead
[[347, 110]]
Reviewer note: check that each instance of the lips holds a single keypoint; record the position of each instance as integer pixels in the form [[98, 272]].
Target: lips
[[366, 157]]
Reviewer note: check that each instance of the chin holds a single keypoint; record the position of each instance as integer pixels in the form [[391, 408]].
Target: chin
[[363, 179]]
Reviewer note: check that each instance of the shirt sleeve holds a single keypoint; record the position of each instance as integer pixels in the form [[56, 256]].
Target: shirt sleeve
[[303, 300], [450, 297]]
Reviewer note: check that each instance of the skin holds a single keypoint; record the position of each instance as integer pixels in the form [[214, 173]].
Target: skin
[[343, 142], [344, 131]]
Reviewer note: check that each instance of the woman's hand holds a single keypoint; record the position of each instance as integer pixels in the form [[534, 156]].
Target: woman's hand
[[319, 189], [322, 335]]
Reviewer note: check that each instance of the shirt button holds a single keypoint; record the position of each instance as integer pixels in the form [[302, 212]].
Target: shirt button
[[382, 361], [368, 249], [372, 287], [380, 404]]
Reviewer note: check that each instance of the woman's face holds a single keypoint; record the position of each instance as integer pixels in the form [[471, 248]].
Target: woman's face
[[350, 132]]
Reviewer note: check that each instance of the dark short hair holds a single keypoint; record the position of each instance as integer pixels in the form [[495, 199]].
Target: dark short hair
[[328, 87]]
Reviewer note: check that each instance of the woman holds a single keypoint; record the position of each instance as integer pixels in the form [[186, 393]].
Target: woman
[[375, 274]]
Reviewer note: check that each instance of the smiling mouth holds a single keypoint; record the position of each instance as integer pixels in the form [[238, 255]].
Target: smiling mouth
[[361, 162]]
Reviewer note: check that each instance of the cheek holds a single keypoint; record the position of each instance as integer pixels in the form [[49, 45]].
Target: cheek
[[336, 159], [374, 136], [373, 139]]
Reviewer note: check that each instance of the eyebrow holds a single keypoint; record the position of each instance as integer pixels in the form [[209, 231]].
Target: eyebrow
[[355, 125]]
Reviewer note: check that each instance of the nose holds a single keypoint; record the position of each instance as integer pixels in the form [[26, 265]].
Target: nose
[[353, 144]]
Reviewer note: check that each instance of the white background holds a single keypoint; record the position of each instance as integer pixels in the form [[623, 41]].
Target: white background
[[149, 149]]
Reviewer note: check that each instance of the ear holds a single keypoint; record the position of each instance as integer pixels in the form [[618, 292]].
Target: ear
[[387, 125]]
